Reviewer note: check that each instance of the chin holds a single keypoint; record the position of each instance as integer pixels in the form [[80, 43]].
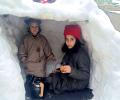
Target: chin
[[34, 34], [70, 47]]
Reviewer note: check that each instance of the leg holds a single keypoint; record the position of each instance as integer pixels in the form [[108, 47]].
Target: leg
[[28, 85], [56, 83], [41, 89]]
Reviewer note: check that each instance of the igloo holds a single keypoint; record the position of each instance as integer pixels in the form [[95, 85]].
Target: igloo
[[98, 32]]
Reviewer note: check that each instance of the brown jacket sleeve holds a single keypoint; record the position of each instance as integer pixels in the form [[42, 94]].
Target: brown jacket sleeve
[[48, 51], [22, 52]]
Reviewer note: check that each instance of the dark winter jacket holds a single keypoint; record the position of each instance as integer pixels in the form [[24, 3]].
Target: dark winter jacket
[[80, 67], [80, 71]]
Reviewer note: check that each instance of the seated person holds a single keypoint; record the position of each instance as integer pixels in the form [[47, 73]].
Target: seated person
[[74, 72], [34, 52]]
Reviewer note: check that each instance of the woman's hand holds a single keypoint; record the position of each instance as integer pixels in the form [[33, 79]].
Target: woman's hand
[[65, 69]]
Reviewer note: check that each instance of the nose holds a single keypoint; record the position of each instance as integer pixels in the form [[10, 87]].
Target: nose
[[69, 43]]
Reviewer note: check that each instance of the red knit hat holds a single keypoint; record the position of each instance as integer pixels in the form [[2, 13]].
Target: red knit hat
[[73, 30]]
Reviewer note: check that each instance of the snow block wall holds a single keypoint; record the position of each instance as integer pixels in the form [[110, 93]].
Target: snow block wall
[[102, 39], [11, 81]]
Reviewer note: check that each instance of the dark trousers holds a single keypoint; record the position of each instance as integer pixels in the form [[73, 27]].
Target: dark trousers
[[62, 82], [28, 84]]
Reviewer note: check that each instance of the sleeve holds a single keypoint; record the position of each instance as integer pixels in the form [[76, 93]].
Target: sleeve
[[22, 52], [82, 72], [48, 51]]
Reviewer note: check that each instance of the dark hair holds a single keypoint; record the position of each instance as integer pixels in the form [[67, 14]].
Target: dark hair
[[77, 45]]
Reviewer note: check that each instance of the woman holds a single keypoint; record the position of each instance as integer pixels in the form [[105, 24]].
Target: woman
[[74, 71]]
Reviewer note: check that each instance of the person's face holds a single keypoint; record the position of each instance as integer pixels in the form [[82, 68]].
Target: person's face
[[70, 41], [34, 28]]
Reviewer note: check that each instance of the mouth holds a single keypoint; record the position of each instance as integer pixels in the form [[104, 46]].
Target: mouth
[[69, 46]]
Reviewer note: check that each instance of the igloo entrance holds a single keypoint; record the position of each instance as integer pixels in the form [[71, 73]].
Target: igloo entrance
[[51, 29]]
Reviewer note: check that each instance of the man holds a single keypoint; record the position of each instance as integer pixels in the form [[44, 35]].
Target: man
[[34, 52]]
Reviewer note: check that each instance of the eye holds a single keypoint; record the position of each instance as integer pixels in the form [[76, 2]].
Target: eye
[[72, 39], [36, 27], [66, 39]]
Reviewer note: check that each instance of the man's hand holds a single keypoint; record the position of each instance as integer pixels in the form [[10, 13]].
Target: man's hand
[[65, 69]]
